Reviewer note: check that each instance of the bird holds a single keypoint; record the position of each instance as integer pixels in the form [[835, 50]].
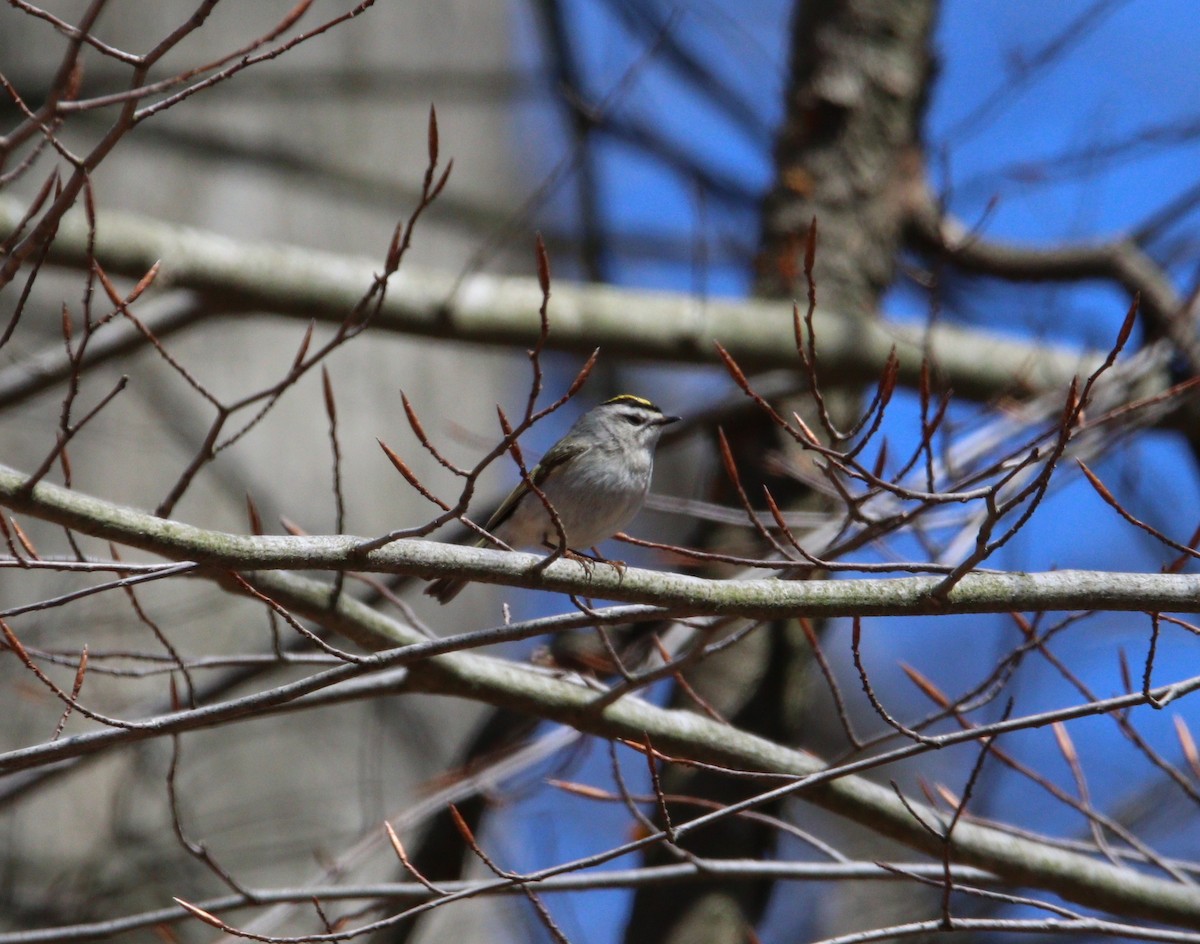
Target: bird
[[596, 478]]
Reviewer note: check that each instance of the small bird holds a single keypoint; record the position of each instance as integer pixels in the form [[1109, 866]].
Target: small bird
[[595, 477]]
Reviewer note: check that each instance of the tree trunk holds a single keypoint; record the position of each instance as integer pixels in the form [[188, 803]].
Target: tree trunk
[[847, 154]]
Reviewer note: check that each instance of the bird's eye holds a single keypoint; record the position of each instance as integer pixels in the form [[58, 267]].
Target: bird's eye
[[635, 419]]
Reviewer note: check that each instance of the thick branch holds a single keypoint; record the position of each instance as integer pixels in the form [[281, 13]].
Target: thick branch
[[760, 599], [235, 275], [1120, 261], [1021, 860]]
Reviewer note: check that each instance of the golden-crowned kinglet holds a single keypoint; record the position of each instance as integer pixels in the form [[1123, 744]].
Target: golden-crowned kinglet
[[595, 477]]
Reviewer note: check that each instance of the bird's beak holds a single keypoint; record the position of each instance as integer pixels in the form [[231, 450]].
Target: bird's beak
[[667, 420]]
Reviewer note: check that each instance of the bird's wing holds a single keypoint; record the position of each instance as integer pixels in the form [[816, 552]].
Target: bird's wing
[[558, 454]]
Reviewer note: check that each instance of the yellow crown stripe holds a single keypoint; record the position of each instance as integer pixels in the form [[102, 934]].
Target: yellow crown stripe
[[630, 398]]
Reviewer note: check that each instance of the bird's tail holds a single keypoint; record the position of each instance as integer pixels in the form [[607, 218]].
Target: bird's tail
[[445, 589]]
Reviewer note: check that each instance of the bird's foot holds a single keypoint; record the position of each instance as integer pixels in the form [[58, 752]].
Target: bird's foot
[[586, 561], [618, 565]]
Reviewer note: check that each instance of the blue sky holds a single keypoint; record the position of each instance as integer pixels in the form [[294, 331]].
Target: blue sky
[[1023, 147]]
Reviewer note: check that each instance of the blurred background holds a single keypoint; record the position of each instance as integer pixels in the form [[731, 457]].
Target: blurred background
[[642, 140]]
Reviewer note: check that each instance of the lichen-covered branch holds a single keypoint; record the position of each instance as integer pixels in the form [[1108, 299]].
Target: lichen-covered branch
[[235, 276]]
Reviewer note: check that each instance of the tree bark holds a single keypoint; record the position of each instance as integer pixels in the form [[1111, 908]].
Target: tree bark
[[847, 154]]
